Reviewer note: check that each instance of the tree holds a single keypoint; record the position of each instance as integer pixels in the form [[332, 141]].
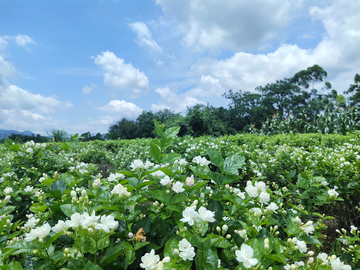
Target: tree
[[59, 135], [354, 89], [124, 129]]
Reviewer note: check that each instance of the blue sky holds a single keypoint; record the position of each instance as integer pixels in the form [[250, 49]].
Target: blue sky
[[83, 65]]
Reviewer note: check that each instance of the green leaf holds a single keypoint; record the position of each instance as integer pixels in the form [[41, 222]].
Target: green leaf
[[48, 182], [113, 253], [171, 132], [37, 207], [169, 248], [145, 184], [170, 158], [68, 179], [160, 195], [90, 266], [133, 181], [206, 260], [218, 208], [276, 257], [14, 147], [155, 152], [14, 266], [58, 185], [6, 210], [69, 209], [216, 158], [233, 164], [179, 198], [159, 128]]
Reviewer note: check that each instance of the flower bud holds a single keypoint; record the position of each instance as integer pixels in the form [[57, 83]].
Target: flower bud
[[228, 236], [266, 241], [90, 230], [66, 250], [130, 235], [266, 246], [83, 193], [176, 251], [73, 193], [218, 229], [166, 259], [311, 260], [225, 228]]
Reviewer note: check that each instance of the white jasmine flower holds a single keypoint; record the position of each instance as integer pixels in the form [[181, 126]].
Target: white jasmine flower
[[323, 256], [272, 207], [201, 161], [189, 215], [8, 190], [107, 223], [149, 261], [245, 255], [158, 173], [31, 223], [332, 193], [28, 189], [302, 246], [75, 220], [61, 226], [206, 215], [190, 181], [264, 197], [308, 228], [120, 190], [260, 185], [89, 220], [251, 190], [148, 164], [166, 181], [137, 164], [178, 187], [186, 250], [39, 232]]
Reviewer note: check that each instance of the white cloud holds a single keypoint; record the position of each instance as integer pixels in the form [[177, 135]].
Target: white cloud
[[170, 100], [121, 75], [87, 89], [6, 68], [23, 40], [338, 53], [230, 24], [144, 37], [122, 109], [3, 43], [26, 120]]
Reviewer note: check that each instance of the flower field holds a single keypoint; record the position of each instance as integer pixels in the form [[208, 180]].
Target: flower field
[[233, 202]]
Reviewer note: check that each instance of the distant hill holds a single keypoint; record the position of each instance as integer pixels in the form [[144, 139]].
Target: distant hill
[[4, 133]]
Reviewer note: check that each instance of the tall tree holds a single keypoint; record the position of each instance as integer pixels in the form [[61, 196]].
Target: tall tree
[[124, 129], [354, 89]]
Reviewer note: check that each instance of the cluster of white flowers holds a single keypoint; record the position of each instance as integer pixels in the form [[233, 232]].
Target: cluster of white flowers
[[114, 176], [253, 191], [245, 255], [308, 227], [333, 193], [166, 180], [178, 187], [335, 263], [85, 220], [137, 164], [190, 215], [150, 261], [186, 250], [201, 161], [121, 191]]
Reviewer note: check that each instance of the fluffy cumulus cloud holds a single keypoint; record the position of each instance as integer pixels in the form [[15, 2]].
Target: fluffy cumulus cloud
[[338, 53], [144, 37], [173, 101], [87, 89], [236, 25], [20, 106], [23, 40], [121, 109], [120, 75]]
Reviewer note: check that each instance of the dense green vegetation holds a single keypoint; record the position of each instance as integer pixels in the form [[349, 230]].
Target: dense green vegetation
[[288, 201], [288, 105]]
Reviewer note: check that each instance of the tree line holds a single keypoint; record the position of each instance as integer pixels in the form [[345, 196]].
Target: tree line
[[295, 98]]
